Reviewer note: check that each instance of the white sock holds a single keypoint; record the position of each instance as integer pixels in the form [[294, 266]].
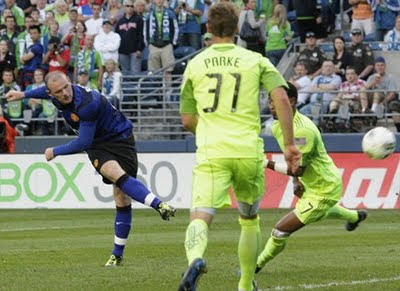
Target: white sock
[[374, 107]]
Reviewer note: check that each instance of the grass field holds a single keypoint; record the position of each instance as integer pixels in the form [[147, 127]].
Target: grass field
[[66, 250]]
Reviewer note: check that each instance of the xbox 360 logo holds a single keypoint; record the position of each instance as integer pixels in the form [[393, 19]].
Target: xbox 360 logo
[[17, 179]]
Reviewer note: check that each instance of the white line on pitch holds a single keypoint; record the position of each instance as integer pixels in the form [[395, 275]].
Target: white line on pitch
[[45, 228], [337, 283]]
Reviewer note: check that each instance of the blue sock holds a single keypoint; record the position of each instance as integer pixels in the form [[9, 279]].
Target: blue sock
[[122, 226], [137, 191]]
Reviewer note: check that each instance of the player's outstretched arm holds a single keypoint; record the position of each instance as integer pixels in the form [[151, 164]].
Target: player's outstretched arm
[[38, 93], [13, 95]]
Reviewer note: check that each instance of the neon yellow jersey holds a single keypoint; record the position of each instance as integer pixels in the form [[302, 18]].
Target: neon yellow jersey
[[222, 86], [321, 176]]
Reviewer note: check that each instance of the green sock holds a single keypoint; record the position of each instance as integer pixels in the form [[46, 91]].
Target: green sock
[[249, 245], [196, 239], [273, 247], [338, 211]]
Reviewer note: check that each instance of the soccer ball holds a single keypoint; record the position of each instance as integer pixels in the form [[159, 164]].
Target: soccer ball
[[379, 143]]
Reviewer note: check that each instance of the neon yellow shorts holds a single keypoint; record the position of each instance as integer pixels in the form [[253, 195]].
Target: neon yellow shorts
[[212, 179], [311, 208]]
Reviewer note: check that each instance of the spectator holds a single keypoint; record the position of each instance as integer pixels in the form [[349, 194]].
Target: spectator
[[57, 57], [25, 5], [42, 108], [7, 140], [207, 39], [189, 13], [392, 38], [32, 59], [93, 24], [69, 26], [320, 99], [362, 55], [161, 38], [12, 108], [114, 12], [61, 15], [7, 59], [53, 32], [107, 42], [308, 17], [362, 16], [76, 42], [248, 13], [24, 41], [16, 11], [89, 60], [112, 82], [278, 34], [35, 14], [266, 8], [353, 95], [312, 55], [85, 10], [41, 6], [302, 83], [4, 14], [50, 17], [204, 17], [341, 57], [382, 80], [10, 34], [84, 80], [130, 29], [140, 6], [385, 17]]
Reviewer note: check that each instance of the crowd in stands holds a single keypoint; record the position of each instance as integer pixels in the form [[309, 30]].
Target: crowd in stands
[[95, 41]]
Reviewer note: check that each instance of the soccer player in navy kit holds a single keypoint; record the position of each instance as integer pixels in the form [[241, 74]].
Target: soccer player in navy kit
[[106, 135]]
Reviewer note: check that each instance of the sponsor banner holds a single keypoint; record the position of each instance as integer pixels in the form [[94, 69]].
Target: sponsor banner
[[28, 181]]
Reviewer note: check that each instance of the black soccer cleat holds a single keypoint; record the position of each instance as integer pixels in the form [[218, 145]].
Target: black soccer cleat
[[114, 261], [258, 269], [192, 275], [166, 211], [362, 215]]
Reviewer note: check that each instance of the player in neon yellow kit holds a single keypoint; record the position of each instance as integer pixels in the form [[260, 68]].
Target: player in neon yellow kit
[[219, 103], [318, 184]]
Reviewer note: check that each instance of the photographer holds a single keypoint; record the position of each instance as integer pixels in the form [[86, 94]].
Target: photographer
[[57, 57]]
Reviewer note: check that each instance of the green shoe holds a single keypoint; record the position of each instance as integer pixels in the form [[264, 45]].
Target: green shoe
[[114, 261], [166, 211]]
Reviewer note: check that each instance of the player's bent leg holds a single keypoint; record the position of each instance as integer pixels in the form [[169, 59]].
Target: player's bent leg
[[353, 217], [195, 245], [277, 242], [122, 226], [135, 189]]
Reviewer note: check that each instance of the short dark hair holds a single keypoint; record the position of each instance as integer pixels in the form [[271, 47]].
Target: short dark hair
[[351, 68], [291, 90], [33, 27], [8, 70], [223, 19]]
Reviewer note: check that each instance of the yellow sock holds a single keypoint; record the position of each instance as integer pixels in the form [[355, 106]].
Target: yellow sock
[[196, 239], [273, 247], [249, 246]]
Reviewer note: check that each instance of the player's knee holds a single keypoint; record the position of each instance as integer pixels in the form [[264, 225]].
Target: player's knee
[[204, 213], [112, 171], [248, 211], [121, 180], [279, 234]]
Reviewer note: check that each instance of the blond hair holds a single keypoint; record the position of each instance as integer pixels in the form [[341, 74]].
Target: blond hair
[[279, 16]]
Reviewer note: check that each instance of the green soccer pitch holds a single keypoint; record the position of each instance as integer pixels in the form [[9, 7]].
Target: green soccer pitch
[[66, 250]]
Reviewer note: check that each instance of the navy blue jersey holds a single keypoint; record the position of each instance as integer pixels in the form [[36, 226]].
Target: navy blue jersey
[[91, 116]]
